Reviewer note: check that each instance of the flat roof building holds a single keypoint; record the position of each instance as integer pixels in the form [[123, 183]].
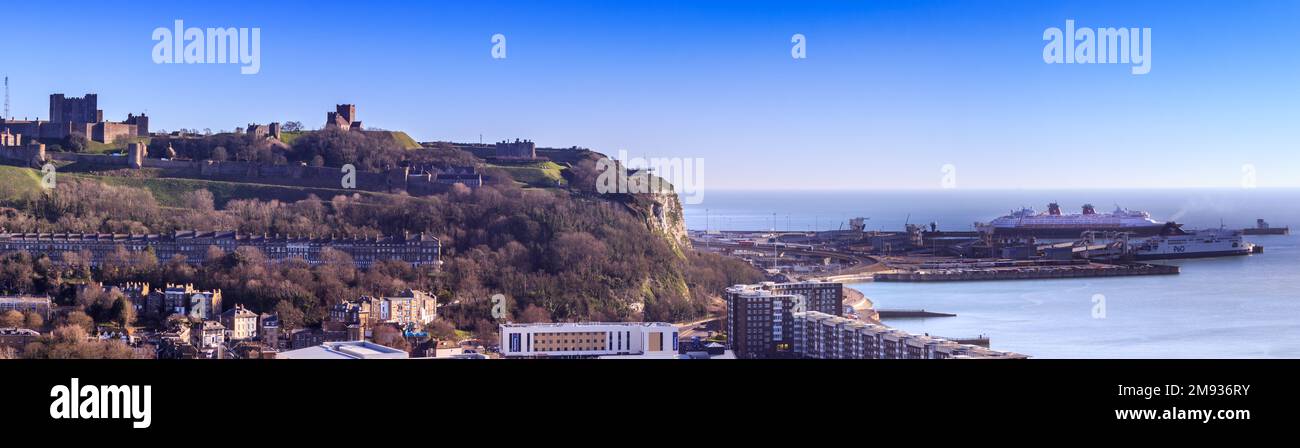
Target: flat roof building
[[345, 350], [26, 304], [822, 336], [759, 322], [588, 339]]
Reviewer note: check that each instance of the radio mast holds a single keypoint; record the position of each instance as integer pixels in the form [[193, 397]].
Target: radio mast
[[6, 115]]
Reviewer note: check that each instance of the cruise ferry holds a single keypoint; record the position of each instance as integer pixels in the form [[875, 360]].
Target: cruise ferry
[[1052, 224], [1177, 243]]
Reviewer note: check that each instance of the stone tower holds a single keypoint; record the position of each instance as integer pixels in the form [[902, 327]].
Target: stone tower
[[135, 155]]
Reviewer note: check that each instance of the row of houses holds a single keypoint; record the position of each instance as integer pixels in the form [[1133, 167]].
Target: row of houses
[[241, 333]]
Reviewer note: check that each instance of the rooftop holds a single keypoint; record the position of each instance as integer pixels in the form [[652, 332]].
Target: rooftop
[[590, 324], [345, 350]]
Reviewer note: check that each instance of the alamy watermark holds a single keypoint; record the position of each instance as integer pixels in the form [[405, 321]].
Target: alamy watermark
[[1248, 180], [193, 45], [349, 179], [90, 402], [498, 46], [651, 176], [1099, 46], [800, 48], [1098, 306], [948, 176], [48, 176]]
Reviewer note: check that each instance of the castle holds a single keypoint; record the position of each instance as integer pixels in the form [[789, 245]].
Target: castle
[[69, 115], [13, 150], [518, 149], [343, 117], [261, 131]]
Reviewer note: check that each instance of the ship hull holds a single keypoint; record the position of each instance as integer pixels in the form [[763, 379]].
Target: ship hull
[[1074, 232]]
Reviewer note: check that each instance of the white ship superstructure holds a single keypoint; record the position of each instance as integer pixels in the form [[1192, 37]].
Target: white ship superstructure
[[1193, 244], [1053, 224]]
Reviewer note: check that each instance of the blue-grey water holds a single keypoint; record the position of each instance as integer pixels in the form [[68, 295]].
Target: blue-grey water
[[1235, 307]]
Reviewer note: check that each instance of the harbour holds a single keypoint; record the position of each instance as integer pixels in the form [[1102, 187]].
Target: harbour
[[1226, 306]]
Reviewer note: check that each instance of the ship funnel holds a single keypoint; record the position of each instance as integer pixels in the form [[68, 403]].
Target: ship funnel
[[1054, 209], [1089, 210]]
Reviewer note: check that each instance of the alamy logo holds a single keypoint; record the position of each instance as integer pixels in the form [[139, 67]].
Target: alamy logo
[[800, 48], [498, 46], [194, 45], [1248, 180], [48, 176], [948, 180], [1098, 306], [349, 176], [498, 306], [652, 176], [102, 402], [1099, 46]]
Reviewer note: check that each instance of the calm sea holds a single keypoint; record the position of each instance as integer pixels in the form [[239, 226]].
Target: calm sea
[[1237, 307]]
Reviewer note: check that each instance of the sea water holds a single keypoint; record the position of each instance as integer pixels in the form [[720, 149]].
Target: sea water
[[1231, 307]]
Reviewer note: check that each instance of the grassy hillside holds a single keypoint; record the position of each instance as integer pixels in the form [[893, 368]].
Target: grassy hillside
[[168, 190], [17, 183], [288, 137], [539, 174], [94, 147], [402, 139]]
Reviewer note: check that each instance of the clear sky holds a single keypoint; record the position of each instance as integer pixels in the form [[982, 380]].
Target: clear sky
[[889, 93]]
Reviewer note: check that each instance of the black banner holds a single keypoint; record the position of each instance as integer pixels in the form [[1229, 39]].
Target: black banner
[[276, 396]]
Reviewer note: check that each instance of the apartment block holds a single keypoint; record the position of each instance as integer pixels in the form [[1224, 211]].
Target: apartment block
[[823, 336], [760, 320]]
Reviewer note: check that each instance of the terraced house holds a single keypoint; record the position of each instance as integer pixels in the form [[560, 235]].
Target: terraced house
[[418, 250]]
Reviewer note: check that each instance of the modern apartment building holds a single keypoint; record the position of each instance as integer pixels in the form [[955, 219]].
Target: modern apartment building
[[588, 339], [823, 336], [759, 317]]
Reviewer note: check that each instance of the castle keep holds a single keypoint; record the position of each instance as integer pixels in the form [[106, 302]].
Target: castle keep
[[77, 115], [343, 117], [518, 149]]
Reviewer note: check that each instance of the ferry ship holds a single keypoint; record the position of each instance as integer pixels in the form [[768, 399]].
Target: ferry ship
[[1028, 222], [1176, 243]]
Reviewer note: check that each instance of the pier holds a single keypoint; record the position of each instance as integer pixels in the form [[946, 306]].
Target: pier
[[981, 340], [1027, 273], [911, 314]]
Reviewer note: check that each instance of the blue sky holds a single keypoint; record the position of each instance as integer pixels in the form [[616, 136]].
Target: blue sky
[[890, 91]]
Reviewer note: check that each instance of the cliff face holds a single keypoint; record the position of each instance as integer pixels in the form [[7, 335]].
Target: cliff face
[[663, 214]]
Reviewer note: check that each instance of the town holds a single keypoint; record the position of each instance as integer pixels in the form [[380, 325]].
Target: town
[[159, 316]]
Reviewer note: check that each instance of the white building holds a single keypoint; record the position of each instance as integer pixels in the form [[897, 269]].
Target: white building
[[345, 350], [589, 339], [240, 323]]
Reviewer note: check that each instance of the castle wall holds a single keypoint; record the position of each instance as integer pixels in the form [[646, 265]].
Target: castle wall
[[107, 132], [103, 132], [28, 155], [253, 172]]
